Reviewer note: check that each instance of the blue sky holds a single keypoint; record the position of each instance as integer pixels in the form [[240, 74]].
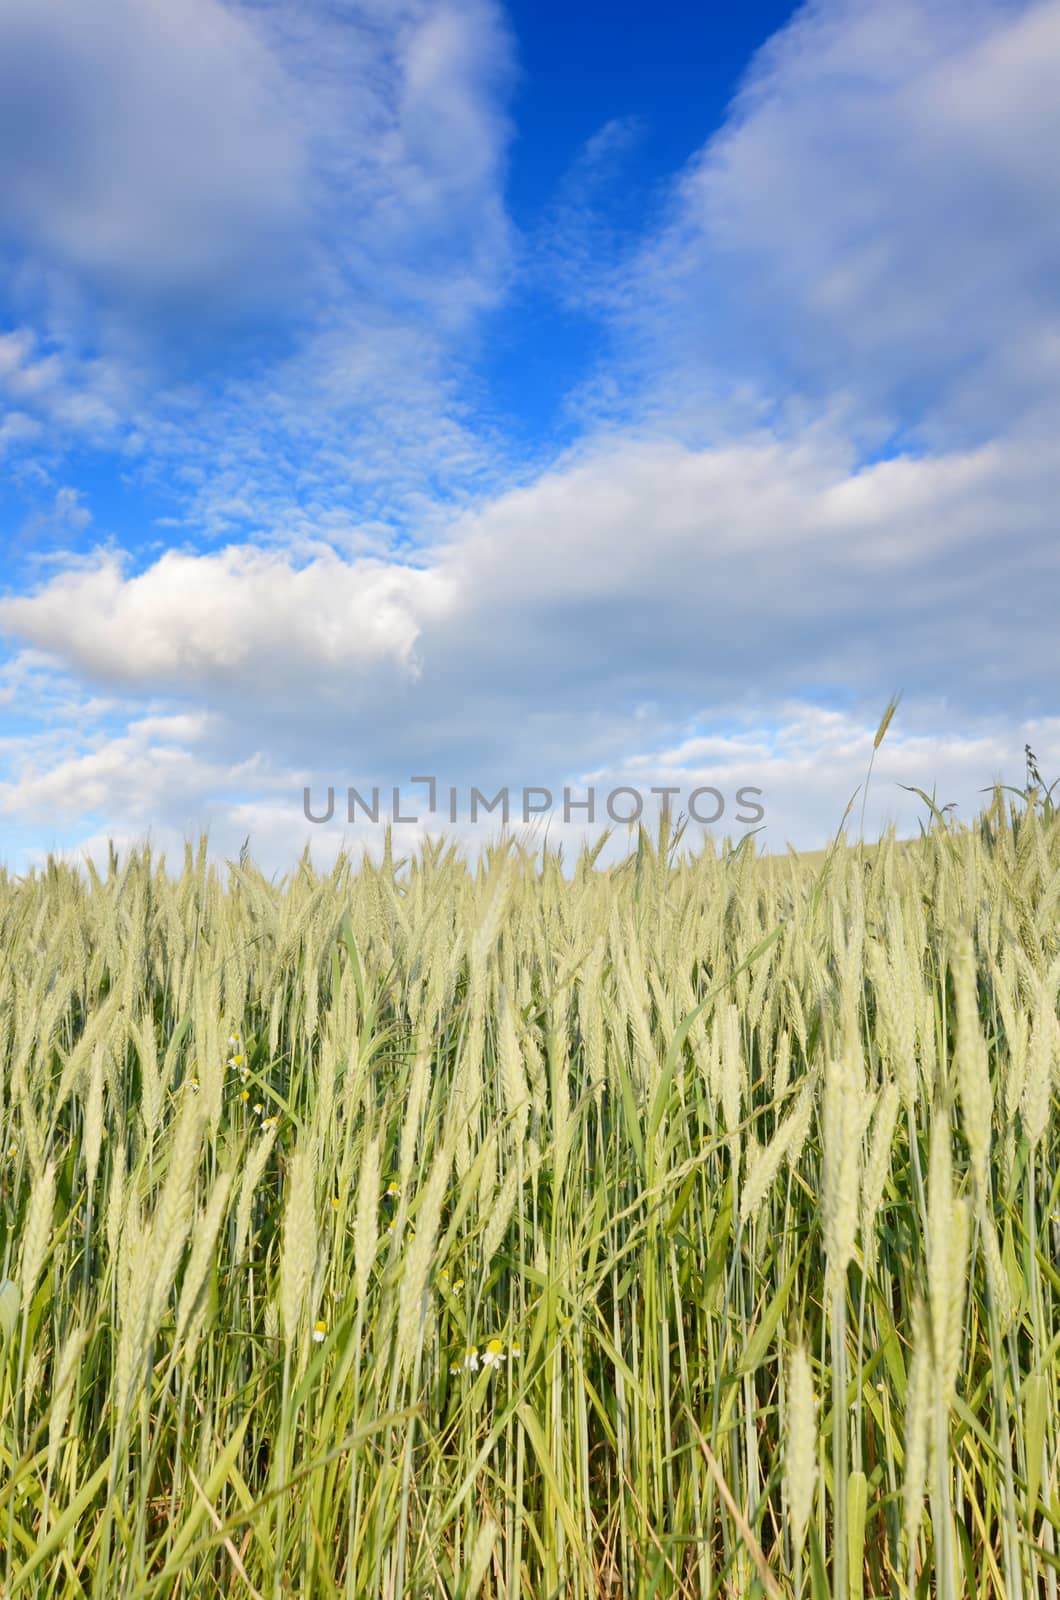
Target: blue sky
[[526, 394]]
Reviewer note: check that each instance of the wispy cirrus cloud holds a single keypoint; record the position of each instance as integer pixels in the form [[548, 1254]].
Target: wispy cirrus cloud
[[249, 245]]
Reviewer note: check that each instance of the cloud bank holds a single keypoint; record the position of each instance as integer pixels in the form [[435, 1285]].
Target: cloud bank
[[816, 465]]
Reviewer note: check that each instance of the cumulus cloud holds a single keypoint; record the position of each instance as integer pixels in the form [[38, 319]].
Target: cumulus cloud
[[244, 614], [652, 569]]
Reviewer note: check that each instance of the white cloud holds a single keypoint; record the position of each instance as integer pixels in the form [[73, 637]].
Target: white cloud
[[870, 243], [248, 242], [243, 614], [758, 567], [220, 147], [702, 582], [69, 510], [168, 154], [59, 393], [812, 762], [17, 428], [879, 220], [120, 779], [182, 729]]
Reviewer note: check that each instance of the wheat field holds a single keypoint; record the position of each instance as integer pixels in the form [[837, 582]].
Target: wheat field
[[683, 1228]]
